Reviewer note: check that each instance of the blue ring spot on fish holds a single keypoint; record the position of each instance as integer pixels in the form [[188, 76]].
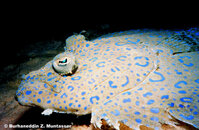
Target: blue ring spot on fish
[[186, 99], [180, 82], [116, 112], [64, 94], [162, 78], [94, 97], [127, 81], [165, 97], [120, 44], [100, 64], [111, 84], [129, 41], [147, 94], [182, 61], [76, 78], [142, 65], [121, 58], [71, 88]]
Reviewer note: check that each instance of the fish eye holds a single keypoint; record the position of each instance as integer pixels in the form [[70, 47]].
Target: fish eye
[[63, 61]]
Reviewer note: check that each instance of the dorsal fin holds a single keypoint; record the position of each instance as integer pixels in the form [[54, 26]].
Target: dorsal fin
[[183, 41]]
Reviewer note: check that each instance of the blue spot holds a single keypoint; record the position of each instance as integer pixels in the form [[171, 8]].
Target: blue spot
[[55, 94], [137, 113], [112, 70], [39, 100], [27, 77], [76, 78], [162, 78], [83, 93], [49, 74], [40, 92], [116, 113], [144, 116], [111, 84], [126, 100], [66, 108], [177, 72], [197, 80], [165, 96], [190, 117], [121, 58], [103, 115], [186, 99], [94, 97], [171, 104], [129, 93], [156, 119], [64, 94], [142, 65], [138, 121], [138, 40], [181, 61], [79, 105], [147, 94], [195, 113], [70, 104], [87, 45], [28, 92], [120, 44], [93, 59], [71, 88], [137, 103], [127, 81], [138, 80], [151, 101], [54, 86], [180, 105], [180, 82], [100, 64], [117, 69], [85, 108], [107, 102], [49, 101], [182, 92]]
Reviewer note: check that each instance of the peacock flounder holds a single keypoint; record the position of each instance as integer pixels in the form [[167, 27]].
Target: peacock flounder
[[138, 77]]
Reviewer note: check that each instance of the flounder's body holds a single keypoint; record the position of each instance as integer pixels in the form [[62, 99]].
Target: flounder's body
[[136, 77]]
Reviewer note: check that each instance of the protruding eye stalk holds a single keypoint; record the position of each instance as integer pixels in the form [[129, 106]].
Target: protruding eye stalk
[[65, 63]]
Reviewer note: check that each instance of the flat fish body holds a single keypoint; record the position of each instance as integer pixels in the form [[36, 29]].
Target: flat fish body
[[136, 77]]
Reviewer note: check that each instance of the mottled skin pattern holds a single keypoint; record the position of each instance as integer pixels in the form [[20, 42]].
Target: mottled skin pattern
[[136, 77]]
